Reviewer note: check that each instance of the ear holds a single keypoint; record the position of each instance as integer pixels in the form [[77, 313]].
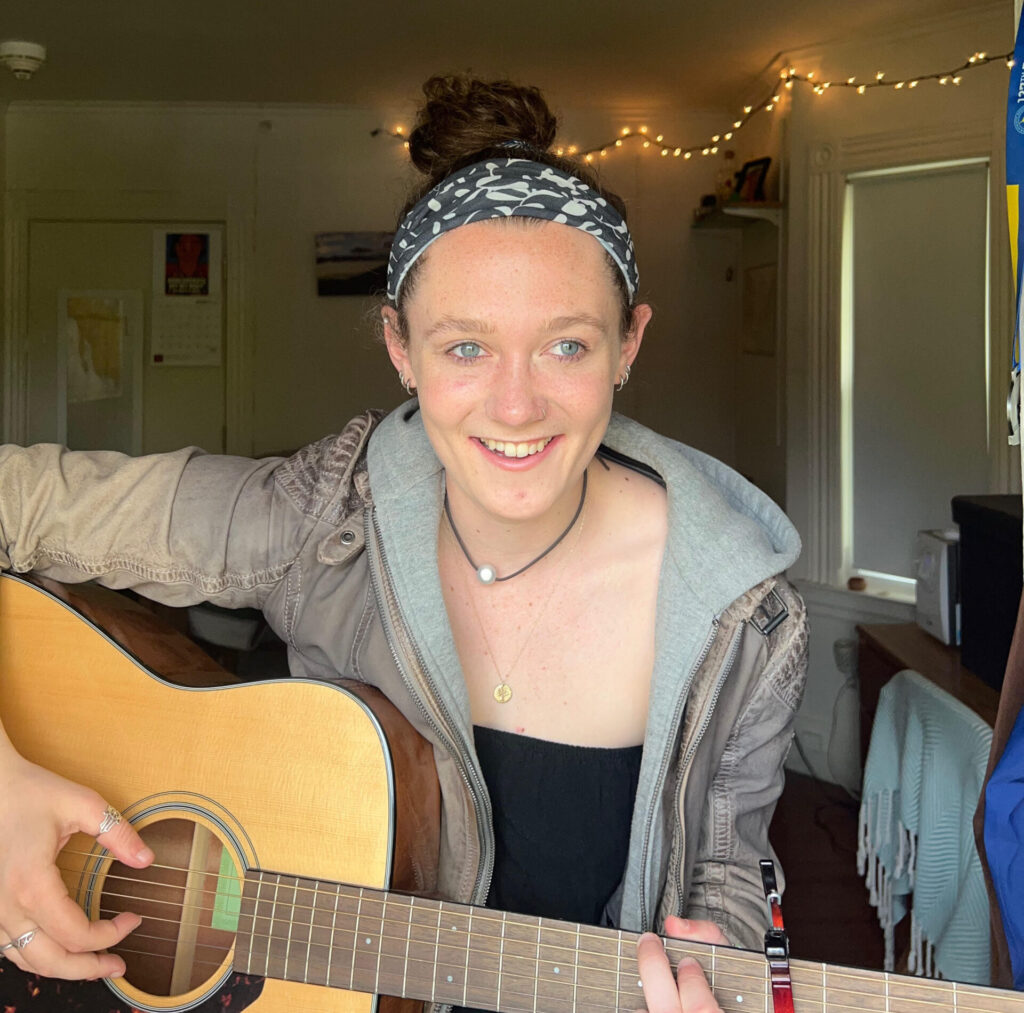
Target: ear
[[398, 351], [632, 339]]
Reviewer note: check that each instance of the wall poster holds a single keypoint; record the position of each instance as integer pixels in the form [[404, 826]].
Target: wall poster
[[99, 404], [188, 310]]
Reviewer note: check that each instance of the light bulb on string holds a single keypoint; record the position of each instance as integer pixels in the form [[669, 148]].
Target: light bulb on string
[[787, 77]]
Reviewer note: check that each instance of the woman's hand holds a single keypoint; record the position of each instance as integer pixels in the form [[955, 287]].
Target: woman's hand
[[688, 992], [39, 811]]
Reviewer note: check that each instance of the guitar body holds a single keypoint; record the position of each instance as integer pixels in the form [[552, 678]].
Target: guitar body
[[290, 775]]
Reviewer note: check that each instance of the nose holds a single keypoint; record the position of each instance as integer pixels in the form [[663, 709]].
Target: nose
[[515, 397]]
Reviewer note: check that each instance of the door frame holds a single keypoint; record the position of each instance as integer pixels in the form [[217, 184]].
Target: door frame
[[22, 207]]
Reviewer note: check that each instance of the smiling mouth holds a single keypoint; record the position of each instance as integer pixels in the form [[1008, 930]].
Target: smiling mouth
[[515, 449]]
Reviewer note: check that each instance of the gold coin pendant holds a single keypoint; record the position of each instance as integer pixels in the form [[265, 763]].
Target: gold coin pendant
[[503, 692]]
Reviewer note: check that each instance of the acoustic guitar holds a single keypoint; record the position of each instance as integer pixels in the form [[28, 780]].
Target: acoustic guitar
[[291, 820]]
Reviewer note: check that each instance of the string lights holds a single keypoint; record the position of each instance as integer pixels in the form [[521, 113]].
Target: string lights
[[787, 78]]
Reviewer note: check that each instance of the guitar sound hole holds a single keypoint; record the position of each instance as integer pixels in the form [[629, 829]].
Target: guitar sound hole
[[188, 899]]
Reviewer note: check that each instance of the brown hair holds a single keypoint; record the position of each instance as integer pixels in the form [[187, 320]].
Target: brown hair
[[464, 121]]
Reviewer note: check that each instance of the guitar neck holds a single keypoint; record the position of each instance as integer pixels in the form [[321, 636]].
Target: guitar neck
[[374, 941]]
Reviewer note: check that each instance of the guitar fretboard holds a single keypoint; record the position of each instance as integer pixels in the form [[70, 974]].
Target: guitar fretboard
[[373, 941]]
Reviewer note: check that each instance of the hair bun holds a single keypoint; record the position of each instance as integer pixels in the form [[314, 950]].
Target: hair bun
[[464, 117]]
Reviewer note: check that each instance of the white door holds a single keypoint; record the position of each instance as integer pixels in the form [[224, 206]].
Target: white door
[[80, 274]]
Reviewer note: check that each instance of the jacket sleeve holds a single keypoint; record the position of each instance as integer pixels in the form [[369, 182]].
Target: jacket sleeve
[[179, 527], [726, 882]]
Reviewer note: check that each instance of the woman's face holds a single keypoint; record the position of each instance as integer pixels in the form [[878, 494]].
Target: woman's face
[[513, 344]]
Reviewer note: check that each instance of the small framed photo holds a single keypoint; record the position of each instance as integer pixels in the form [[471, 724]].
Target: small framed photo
[[750, 181], [352, 263]]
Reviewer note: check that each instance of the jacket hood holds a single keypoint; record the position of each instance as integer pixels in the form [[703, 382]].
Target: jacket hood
[[726, 536]]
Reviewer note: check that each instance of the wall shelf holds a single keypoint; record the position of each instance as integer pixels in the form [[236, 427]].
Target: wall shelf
[[736, 216]]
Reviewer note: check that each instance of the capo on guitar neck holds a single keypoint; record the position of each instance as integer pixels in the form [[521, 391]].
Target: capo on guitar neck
[[776, 943]]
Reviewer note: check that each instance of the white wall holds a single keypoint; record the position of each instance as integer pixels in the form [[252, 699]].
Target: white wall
[[293, 171]]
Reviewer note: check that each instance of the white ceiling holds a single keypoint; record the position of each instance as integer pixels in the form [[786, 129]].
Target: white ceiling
[[612, 54]]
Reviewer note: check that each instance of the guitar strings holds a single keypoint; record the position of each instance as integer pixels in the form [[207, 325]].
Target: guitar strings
[[834, 976]]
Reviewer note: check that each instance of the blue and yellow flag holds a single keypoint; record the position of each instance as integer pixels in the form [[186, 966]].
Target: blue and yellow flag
[[1015, 175]]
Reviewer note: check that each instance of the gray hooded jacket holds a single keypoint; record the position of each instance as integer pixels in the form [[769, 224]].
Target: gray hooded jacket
[[337, 545]]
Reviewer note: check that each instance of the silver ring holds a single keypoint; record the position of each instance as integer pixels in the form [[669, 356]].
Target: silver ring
[[21, 941], [111, 818]]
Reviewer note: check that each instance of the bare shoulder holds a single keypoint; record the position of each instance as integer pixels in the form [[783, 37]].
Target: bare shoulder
[[632, 506]]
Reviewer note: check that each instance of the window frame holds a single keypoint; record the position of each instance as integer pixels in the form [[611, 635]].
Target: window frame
[[815, 305]]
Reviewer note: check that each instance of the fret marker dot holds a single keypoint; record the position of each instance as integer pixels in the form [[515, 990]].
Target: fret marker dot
[[639, 984], [739, 998], [368, 940], [558, 970], [450, 978]]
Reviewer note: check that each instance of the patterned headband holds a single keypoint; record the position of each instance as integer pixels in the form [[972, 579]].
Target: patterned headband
[[506, 188]]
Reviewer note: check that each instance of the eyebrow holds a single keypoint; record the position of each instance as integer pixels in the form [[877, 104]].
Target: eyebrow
[[586, 319], [460, 325], [471, 325]]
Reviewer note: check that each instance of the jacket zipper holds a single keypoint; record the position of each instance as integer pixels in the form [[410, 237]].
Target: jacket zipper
[[723, 674], [452, 741], [677, 717]]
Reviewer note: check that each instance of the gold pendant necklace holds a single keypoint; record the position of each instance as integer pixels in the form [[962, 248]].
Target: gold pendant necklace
[[503, 691]]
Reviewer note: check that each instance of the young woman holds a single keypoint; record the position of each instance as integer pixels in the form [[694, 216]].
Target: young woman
[[583, 617]]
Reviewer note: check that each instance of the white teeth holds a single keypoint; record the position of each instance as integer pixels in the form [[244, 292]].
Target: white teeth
[[515, 449]]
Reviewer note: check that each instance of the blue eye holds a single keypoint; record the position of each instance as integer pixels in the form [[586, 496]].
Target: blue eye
[[568, 349], [467, 350]]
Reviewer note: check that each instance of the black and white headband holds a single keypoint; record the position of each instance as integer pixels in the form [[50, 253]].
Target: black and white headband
[[507, 188]]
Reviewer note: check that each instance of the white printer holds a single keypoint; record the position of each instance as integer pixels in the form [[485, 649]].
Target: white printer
[[938, 581]]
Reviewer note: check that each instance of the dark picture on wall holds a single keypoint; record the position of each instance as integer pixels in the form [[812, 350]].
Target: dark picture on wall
[[352, 263], [187, 263]]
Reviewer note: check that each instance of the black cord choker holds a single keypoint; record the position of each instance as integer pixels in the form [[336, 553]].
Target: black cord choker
[[486, 573]]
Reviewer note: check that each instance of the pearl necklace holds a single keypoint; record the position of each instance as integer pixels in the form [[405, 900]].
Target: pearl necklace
[[487, 573]]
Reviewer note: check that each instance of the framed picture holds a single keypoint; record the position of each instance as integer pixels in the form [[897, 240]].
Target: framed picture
[[750, 181], [352, 263]]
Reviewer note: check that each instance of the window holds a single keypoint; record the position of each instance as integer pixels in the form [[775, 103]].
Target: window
[[914, 359]]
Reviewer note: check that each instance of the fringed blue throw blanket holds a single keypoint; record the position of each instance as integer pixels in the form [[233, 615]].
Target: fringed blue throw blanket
[[923, 776]]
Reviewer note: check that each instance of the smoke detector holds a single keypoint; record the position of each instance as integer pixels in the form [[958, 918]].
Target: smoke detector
[[22, 59]]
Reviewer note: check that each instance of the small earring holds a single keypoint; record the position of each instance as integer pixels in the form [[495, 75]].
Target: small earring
[[624, 379], [409, 388]]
